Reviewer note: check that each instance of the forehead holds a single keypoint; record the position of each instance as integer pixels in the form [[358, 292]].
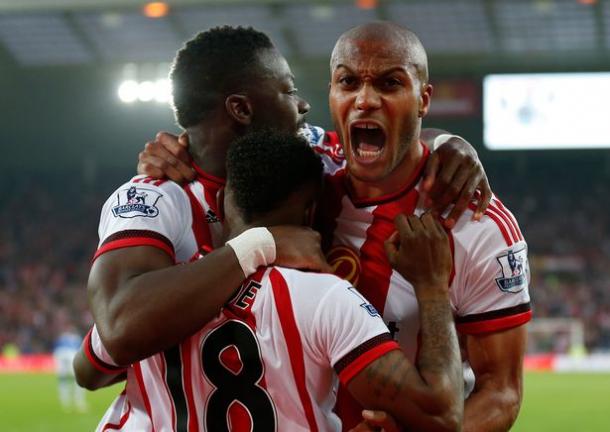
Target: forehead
[[274, 65], [371, 55]]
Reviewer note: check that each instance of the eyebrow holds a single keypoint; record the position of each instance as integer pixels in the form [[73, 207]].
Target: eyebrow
[[384, 72]]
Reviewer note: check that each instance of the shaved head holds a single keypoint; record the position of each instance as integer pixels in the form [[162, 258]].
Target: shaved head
[[388, 37]]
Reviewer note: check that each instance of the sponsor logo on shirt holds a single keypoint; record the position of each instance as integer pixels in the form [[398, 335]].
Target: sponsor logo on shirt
[[514, 269], [136, 202]]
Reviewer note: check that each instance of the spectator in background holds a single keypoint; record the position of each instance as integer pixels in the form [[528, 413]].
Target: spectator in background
[[71, 395]]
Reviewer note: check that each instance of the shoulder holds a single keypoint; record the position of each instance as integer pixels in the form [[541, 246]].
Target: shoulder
[[315, 284], [497, 228], [142, 195]]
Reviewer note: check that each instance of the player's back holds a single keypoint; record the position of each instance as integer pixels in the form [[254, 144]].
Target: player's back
[[273, 348]]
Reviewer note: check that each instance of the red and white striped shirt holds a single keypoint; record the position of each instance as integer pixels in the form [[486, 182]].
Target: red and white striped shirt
[[489, 282], [270, 359]]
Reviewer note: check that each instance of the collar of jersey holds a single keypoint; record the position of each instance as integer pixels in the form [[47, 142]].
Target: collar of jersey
[[207, 176], [409, 184]]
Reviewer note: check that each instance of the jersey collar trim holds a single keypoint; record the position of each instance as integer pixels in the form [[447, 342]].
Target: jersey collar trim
[[207, 176]]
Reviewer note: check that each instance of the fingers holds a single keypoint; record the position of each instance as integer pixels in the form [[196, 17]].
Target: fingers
[[380, 419], [462, 202], [175, 151], [484, 199], [430, 172], [177, 146], [391, 247]]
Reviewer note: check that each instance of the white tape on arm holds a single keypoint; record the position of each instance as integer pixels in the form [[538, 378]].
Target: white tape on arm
[[442, 139], [254, 248]]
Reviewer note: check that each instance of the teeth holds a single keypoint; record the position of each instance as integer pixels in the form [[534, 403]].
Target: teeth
[[368, 154], [366, 126]]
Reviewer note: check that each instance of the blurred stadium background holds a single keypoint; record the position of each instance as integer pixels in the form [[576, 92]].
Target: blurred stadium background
[[82, 90]]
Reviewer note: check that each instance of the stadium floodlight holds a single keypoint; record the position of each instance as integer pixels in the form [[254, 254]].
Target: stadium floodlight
[[163, 90], [128, 91], [146, 91]]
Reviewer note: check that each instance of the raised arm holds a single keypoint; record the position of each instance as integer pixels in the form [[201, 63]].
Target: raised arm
[[429, 395]]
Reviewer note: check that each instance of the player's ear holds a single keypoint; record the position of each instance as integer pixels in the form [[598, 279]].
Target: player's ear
[[424, 100], [238, 106]]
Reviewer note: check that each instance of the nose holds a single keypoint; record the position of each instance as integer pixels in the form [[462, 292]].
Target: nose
[[304, 106], [367, 98]]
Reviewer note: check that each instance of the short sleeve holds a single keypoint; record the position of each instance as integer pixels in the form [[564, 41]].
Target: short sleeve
[[492, 291], [350, 331], [141, 213]]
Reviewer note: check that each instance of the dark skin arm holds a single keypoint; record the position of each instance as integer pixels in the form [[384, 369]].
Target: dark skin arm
[[429, 396], [143, 304], [90, 378], [497, 362], [452, 175]]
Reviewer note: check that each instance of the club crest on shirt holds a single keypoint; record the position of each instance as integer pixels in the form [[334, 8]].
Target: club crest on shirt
[[514, 269], [345, 263], [136, 202]]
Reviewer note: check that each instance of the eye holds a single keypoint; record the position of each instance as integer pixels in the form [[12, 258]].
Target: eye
[[347, 80], [293, 92], [392, 82]]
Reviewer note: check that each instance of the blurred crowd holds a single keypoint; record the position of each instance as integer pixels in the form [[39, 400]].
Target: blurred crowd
[[49, 235]]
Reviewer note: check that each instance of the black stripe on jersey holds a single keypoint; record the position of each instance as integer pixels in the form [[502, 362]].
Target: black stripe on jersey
[[491, 315], [361, 349], [173, 377], [121, 235]]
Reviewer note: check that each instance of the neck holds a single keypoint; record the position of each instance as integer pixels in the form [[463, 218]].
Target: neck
[[393, 182], [208, 147]]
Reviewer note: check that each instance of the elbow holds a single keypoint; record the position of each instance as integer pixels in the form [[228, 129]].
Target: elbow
[[119, 343]]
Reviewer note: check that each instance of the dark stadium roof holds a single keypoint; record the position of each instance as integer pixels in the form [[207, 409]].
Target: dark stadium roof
[[60, 32]]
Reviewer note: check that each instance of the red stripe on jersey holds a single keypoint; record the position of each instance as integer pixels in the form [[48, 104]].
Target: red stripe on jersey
[[509, 217], [135, 241], [148, 180], [138, 372], [160, 182], [354, 368], [200, 226], [186, 347], [138, 180], [494, 325], [293, 342], [507, 221], [499, 222], [122, 421], [95, 361], [376, 270]]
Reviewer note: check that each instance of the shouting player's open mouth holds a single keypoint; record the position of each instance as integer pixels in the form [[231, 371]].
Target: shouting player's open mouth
[[367, 140]]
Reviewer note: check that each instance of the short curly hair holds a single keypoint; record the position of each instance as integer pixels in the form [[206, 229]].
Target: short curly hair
[[266, 166], [212, 64]]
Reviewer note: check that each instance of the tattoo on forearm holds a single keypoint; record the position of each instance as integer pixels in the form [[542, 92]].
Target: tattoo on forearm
[[439, 342]]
